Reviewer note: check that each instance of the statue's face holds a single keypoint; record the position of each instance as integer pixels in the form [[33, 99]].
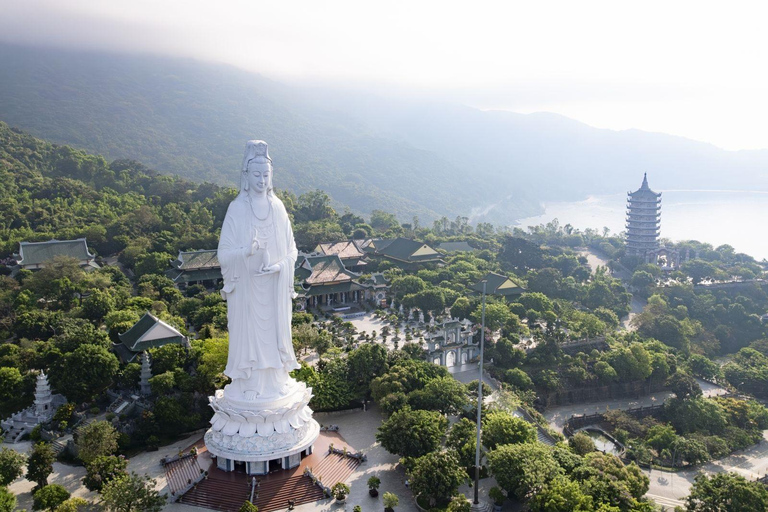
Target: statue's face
[[259, 177]]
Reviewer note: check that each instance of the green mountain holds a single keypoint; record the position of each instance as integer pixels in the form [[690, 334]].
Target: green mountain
[[408, 156], [193, 119]]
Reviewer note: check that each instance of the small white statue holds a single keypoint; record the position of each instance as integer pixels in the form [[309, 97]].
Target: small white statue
[[257, 253]]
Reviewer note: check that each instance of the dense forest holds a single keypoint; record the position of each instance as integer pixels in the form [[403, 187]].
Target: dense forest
[[562, 335]]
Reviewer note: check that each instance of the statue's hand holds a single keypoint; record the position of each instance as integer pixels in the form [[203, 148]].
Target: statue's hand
[[270, 269], [254, 247]]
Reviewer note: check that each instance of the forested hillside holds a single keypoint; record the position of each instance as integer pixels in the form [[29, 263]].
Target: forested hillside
[[192, 119], [409, 157]]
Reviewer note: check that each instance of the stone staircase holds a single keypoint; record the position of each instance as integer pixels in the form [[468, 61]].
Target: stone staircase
[[181, 473], [228, 495], [335, 468]]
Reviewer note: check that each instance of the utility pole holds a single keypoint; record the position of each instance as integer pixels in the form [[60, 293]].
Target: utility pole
[[479, 402]]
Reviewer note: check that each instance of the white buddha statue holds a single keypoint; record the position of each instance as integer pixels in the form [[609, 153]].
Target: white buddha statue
[[257, 253]]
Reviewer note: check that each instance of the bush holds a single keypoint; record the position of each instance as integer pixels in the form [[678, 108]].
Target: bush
[[390, 501], [49, 497]]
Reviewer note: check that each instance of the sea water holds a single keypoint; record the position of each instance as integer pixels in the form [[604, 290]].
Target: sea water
[[736, 218]]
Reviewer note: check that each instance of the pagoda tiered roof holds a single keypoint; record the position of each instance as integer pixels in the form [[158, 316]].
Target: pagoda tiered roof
[[643, 218]]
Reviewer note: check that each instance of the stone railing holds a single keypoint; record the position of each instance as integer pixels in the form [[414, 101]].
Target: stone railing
[[181, 456], [346, 453], [315, 480]]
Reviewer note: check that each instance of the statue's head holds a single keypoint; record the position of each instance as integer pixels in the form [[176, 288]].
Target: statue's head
[[257, 167]]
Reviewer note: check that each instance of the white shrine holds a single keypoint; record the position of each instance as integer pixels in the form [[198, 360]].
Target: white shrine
[[45, 406]]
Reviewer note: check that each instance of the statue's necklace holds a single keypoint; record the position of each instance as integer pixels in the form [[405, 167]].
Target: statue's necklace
[[250, 202]]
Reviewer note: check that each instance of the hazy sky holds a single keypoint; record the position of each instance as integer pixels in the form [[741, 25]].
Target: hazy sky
[[696, 69]]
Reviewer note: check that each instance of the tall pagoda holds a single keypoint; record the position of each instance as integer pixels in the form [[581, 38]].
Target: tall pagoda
[[643, 218]]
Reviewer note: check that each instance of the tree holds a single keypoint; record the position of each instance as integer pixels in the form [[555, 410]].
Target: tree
[[461, 308], [523, 469], [581, 443], [97, 439], [72, 505], [518, 378], [10, 382], [365, 364], [446, 395], [407, 285], [314, 206], [698, 270], [50, 497], [132, 493], [684, 386], [104, 469], [726, 491], [459, 503], [561, 495], [609, 481], [40, 464], [247, 506], [85, 372], [7, 500], [462, 440], [98, 305], [437, 477], [412, 433], [11, 465], [496, 315], [429, 300], [520, 254], [500, 428]]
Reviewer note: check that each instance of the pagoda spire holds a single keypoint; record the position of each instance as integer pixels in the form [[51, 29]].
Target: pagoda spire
[[146, 374], [645, 186], [43, 398]]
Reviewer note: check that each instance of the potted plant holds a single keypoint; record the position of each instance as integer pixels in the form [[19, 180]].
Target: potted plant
[[340, 491], [390, 501], [373, 486], [498, 497], [357, 508]]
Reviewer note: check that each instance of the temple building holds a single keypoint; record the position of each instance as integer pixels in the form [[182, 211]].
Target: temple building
[[643, 218], [35, 255], [196, 267], [325, 281], [498, 284], [148, 332], [406, 253], [348, 251]]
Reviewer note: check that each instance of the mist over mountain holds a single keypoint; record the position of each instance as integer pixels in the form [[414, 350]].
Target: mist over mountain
[[407, 156]]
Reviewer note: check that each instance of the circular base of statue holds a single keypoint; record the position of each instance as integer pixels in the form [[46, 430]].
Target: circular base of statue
[[255, 448], [262, 431]]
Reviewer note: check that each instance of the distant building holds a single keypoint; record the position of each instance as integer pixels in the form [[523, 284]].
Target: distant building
[[406, 252], [456, 247], [643, 220], [148, 332], [196, 267], [452, 344], [324, 281], [498, 284], [35, 255], [348, 251]]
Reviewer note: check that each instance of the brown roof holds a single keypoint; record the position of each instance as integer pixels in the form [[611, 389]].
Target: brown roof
[[327, 269], [345, 250]]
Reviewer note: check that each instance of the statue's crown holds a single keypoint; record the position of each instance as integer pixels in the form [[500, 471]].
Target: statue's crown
[[256, 151]]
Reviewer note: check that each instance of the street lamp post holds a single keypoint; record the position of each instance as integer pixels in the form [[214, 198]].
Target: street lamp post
[[479, 402]]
